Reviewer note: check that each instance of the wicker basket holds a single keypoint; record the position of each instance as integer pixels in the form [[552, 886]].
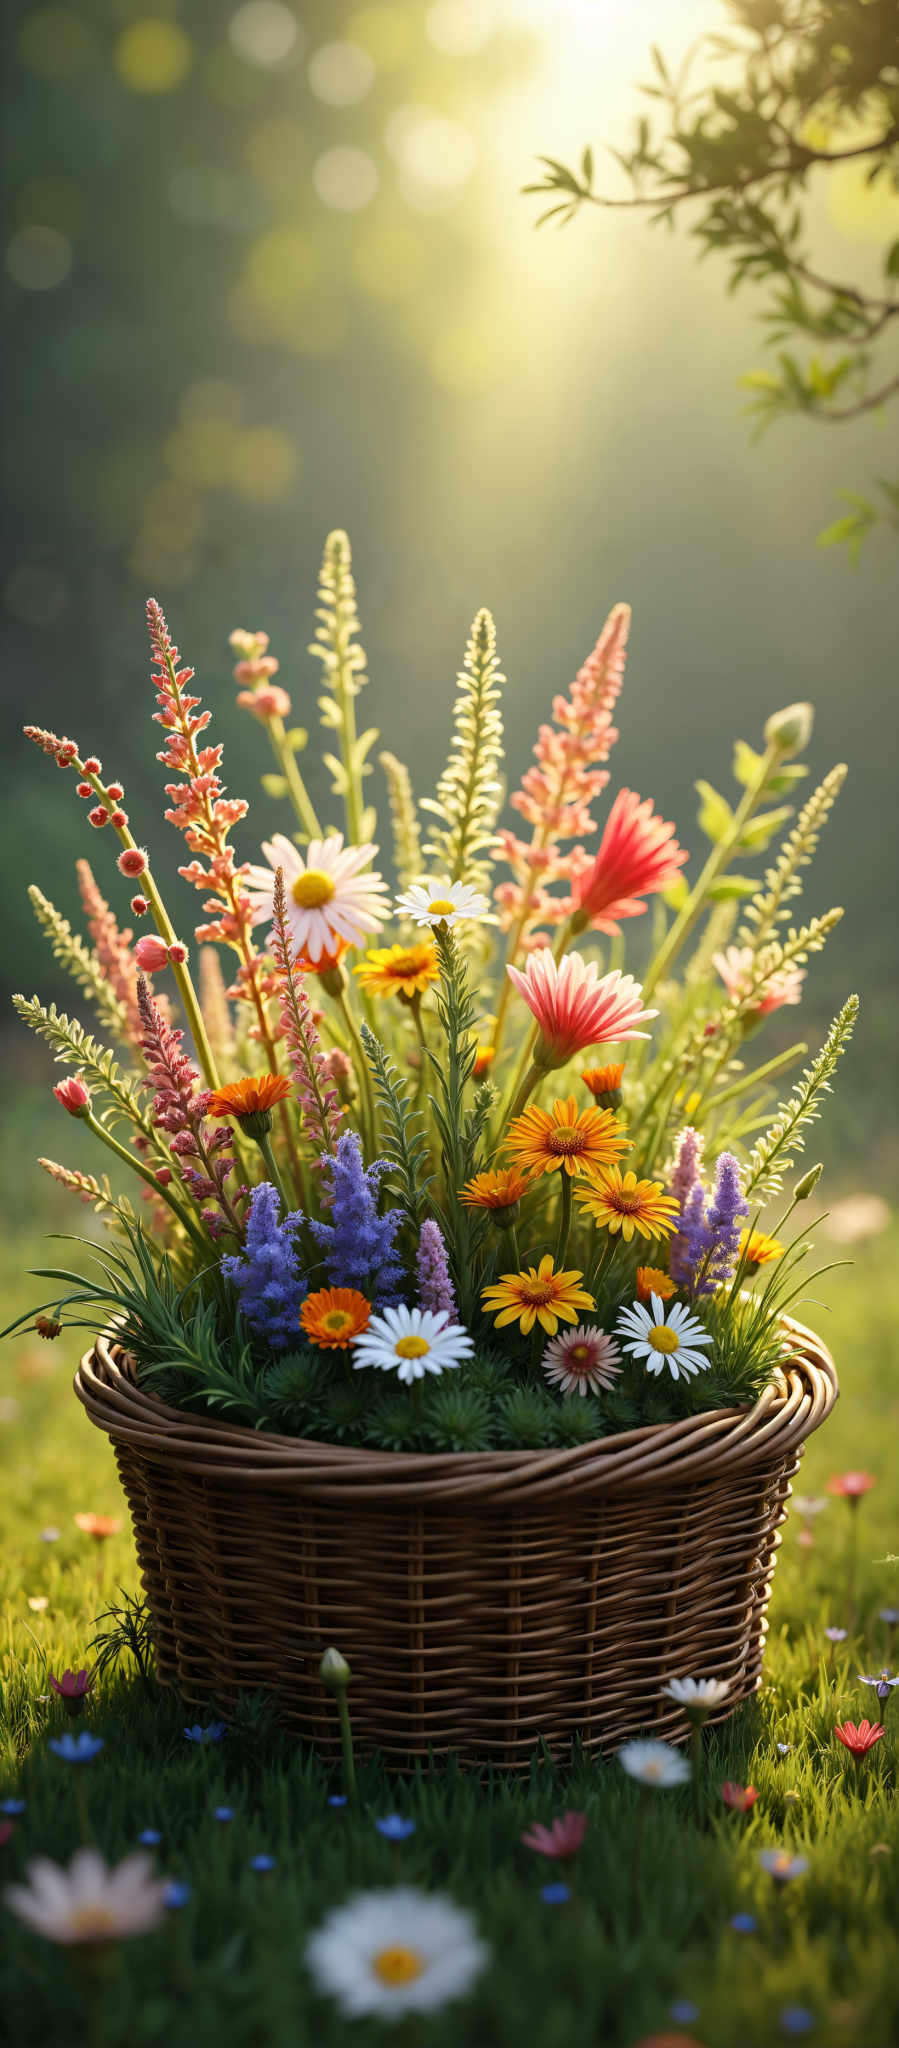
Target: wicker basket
[[486, 1602]]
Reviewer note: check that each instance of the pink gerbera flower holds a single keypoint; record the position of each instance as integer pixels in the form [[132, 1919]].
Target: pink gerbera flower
[[638, 855], [561, 1839], [738, 972], [582, 1361], [576, 1007]]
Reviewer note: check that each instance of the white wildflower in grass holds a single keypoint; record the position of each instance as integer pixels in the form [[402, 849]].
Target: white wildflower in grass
[[395, 1951], [654, 1763], [89, 1903], [697, 1695], [412, 1342], [442, 902], [809, 1504], [330, 902], [676, 1343], [582, 1361], [781, 1864]]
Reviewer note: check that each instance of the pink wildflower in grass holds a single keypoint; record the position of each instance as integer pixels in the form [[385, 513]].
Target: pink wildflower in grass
[[72, 1688], [555, 797], [74, 1096], [859, 1738], [320, 1110], [435, 1288], [576, 1007], [582, 1361], [638, 855], [179, 1108], [738, 971], [112, 947], [560, 1840]]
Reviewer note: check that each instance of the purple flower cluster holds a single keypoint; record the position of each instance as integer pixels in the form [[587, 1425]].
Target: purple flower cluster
[[705, 1249], [435, 1288], [267, 1274], [358, 1244]]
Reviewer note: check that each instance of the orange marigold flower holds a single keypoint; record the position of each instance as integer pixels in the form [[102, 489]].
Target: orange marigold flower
[[334, 1316], [327, 960], [604, 1084], [538, 1295], [98, 1525], [483, 1061], [250, 1101], [652, 1280], [399, 970], [579, 1140], [627, 1204], [501, 1188], [758, 1249]]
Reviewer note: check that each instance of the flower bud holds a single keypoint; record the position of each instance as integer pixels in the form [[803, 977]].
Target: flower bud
[[177, 954], [74, 1096], [119, 820], [98, 816], [139, 906], [334, 1671], [47, 1326], [92, 765], [807, 1185], [115, 792], [151, 955], [132, 861], [83, 789], [791, 729]]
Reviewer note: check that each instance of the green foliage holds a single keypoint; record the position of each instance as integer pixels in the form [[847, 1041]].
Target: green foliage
[[774, 1154], [129, 1634], [778, 97], [79, 961], [72, 1046], [292, 1393], [459, 1131], [470, 793], [343, 661], [405, 1145]]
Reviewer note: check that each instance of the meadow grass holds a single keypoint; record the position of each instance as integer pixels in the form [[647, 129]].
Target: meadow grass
[[226, 1970]]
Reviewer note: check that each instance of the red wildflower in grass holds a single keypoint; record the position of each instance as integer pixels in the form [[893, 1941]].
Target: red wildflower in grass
[[851, 1485], [739, 1797], [561, 1839], [72, 1688], [48, 1327], [7, 1829], [98, 1526], [638, 855], [859, 1739], [74, 1096]]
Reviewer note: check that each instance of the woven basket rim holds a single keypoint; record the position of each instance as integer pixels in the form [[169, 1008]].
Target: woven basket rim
[[697, 1446]]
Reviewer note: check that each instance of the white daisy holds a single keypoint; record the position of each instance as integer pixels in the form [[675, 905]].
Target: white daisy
[[88, 1903], [654, 1763], [582, 1361], [697, 1696], [329, 900], [441, 902], [412, 1342], [660, 1343], [395, 1951]]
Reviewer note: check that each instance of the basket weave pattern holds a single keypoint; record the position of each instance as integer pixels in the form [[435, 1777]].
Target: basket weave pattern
[[485, 1602]]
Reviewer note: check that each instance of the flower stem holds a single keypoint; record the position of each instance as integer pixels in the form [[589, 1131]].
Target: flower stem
[[564, 1221], [367, 1100], [636, 1856], [717, 860], [265, 1146], [296, 787], [696, 1770], [346, 1748], [145, 1173]]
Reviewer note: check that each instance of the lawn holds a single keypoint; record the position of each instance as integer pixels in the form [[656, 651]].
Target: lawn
[[609, 1964]]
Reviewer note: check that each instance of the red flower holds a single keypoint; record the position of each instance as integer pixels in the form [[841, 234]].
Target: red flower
[[858, 1740], [561, 1839], [98, 1525], [151, 955], [851, 1485], [72, 1688], [740, 1797], [638, 855], [74, 1096]]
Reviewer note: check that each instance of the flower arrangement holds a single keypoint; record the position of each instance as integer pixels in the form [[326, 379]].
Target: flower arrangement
[[425, 1168]]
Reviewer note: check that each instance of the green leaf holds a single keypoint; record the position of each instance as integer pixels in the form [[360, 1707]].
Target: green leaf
[[677, 893], [731, 889], [297, 739], [747, 764], [715, 816], [274, 785], [759, 834]]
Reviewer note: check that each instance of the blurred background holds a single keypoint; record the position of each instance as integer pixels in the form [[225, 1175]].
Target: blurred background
[[268, 270]]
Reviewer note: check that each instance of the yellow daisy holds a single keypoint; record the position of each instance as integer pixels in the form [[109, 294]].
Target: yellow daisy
[[538, 1295], [579, 1140], [758, 1249], [399, 970], [627, 1204]]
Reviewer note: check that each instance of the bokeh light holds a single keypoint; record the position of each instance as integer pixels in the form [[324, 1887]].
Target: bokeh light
[[153, 56], [345, 178], [341, 74], [52, 203], [265, 33], [209, 195], [35, 594], [263, 465], [38, 258], [459, 28], [390, 260], [55, 42], [435, 155]]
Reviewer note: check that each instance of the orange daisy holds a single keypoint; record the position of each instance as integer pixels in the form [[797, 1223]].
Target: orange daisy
[[580, 1140], [483, 1061], [604, 1084], [538, 1295], [501, 1188], [252, 1097], [334, 1316], [98, 1525], [627, 1204], [758, 1249], [326, 962], [652, 1280], [399, 970]]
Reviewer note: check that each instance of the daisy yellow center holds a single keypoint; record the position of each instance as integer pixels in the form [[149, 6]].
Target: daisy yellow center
[[626, 1205], [580, 1355], [398, 1964], [337, 1319], [313, 888], [92, 1920], [441, 907], [538, 1292], [566, 1142], [663, 1338], [412, 1347]]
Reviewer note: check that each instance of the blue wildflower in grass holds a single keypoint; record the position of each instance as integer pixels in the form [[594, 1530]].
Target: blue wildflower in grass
[[223, 1813], [394, 1828], [683, 2012], [796, 2019], [556, 1894], [177, 1893], [213, 1732], [743, 1923], [12, 1807], [337, 1799], [149, 1838], [77, 1749], [270, 1286], [435, 1288], [263, 1863], [358, 1244]]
